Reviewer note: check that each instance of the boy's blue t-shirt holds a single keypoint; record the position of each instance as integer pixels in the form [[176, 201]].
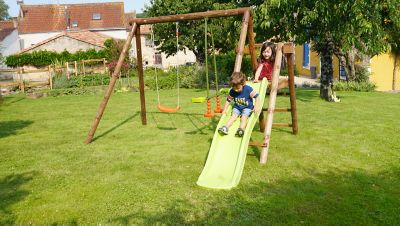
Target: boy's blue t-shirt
[[243, 99]]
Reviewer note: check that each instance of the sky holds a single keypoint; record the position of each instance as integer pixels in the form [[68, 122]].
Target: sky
[[130, 5]]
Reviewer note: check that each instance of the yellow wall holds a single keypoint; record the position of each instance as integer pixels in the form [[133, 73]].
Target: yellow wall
[[382, 72], [314, 61]]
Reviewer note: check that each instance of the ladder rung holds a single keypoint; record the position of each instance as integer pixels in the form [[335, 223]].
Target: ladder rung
[[279, 109], [255, 143], [281, 125]]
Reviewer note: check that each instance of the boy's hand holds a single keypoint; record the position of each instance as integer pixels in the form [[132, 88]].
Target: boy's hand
[[257, 110], [255, 80]]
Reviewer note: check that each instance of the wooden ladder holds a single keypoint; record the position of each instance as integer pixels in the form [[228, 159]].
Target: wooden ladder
[[266, 125]]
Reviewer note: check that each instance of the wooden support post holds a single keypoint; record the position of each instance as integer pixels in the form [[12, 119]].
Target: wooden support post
[[50, 77], [67, 71], [292, 89], [271, 103], [110, 86], [242, 40], [250, 36], [139, 62], [76, 68]]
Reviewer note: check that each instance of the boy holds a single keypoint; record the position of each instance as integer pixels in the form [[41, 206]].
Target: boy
[[242, 95]]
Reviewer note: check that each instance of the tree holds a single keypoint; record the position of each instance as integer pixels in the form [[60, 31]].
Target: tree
[[391, 22], [191, 33], [3, 10], [333, 26]]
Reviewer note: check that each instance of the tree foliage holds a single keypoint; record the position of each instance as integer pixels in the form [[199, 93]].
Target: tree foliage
[[333, 26], [4, 10], [191, 33]]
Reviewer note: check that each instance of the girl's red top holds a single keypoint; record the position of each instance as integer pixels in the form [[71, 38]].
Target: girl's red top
[[267, 69]]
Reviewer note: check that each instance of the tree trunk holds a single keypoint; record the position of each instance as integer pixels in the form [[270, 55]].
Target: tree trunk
[[396, 57], [343, 63], [350, 65], [326, 90], [326, 75]]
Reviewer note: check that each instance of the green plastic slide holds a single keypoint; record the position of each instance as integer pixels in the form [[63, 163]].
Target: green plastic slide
[[227, 154]]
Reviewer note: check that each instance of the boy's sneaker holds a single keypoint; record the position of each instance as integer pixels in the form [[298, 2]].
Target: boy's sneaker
[[239, 132], [223, 130]]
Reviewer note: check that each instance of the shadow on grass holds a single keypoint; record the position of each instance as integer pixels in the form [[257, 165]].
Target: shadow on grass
[[194, 119], [306, 95], [11, 193], [332, 198], [115, 127], [9, 128]]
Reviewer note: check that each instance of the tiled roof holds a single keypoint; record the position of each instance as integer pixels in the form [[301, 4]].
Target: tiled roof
[[144, 29], [6, 24], [46, 18], [92, 38], [5, 32]]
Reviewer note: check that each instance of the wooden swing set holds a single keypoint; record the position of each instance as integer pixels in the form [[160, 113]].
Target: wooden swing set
[[246, 30]]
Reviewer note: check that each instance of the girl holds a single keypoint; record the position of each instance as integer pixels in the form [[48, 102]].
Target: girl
[[266, 62]]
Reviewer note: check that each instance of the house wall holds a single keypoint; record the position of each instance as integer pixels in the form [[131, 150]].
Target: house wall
[[118, 34], [62, 43], [10, 44], [382, 72], [314, 61], [28, 40], [148, 54]]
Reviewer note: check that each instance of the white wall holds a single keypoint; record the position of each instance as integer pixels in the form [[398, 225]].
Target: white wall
[[118, 34], [28, 40], [148, 55]]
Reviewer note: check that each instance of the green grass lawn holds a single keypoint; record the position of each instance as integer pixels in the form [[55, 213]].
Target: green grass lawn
[[342, 168]]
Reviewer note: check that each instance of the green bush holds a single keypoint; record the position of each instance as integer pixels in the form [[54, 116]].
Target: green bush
[[60, 81], [91, 80], [75, 91], [362, 73], [354, 86], [43, 57]]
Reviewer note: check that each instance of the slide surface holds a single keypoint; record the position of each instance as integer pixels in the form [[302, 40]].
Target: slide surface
[[225, 161]]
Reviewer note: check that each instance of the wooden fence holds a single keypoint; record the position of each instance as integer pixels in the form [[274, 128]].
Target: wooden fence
[[22, 83]]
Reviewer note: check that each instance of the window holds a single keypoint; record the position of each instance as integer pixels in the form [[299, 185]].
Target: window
[[96, 16], [74, 24], [306, 55], [148, 42], [158, 59]]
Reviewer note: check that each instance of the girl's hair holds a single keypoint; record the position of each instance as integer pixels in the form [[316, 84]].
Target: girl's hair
[[273, 49], [237, 78]]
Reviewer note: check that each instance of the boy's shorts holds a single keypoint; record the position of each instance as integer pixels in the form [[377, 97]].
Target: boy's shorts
[[245, 112]]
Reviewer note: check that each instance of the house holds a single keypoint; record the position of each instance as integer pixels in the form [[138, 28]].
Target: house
[[381, 67], [308, 64], [9, 40], [104, 18], [152, 58], [72, 41]]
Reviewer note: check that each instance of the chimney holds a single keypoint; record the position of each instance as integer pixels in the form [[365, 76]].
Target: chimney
[[66, 17], [20, 3]]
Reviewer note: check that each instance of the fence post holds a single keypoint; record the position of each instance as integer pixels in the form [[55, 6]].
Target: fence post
[[104, 64], [83, 67], [67, 72], [50, 77], [21, 79], [76, 68]]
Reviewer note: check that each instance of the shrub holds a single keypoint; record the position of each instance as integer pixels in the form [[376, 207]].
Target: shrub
[[60, 81], [362, 73], [354, 86]]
